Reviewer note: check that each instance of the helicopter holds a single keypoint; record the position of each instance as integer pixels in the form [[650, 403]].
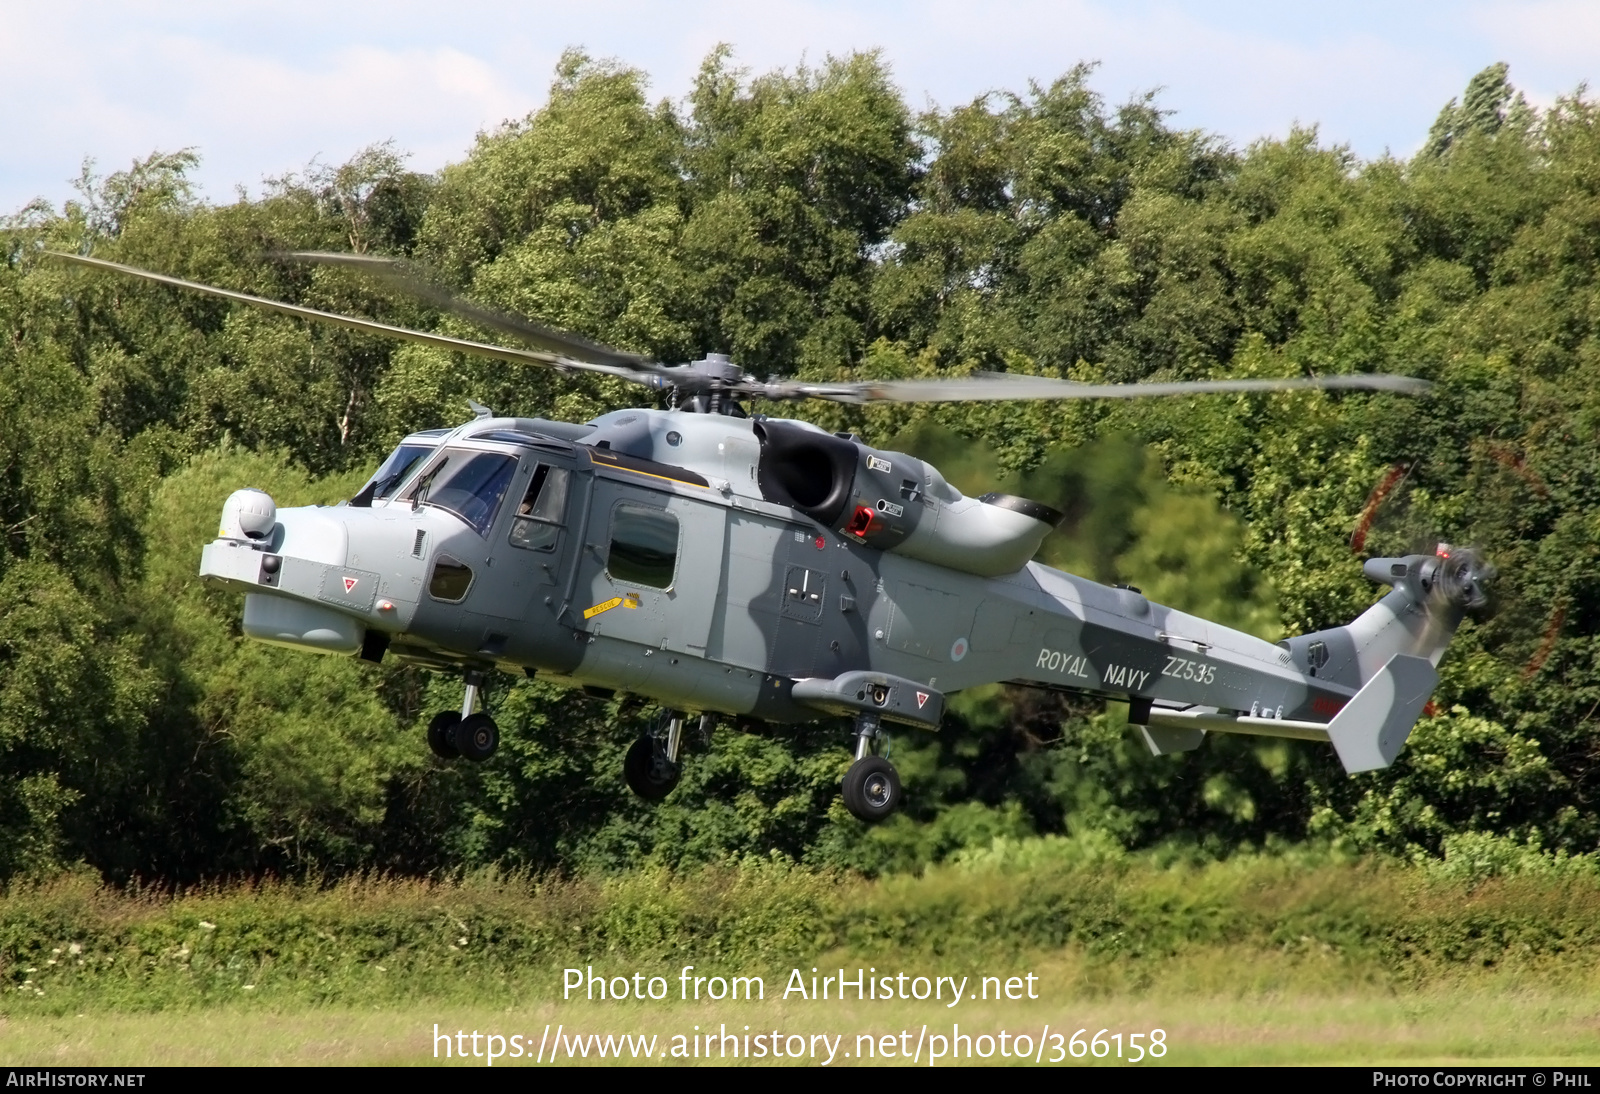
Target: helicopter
[[734, 565]]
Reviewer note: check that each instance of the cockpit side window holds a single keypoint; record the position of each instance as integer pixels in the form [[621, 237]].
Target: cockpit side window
[[469, 484], [537, 526]]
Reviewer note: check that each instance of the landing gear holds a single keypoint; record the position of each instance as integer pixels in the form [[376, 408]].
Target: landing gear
[[463, 733], [477, 737], [871, 787], [651, 768], [442, 734]]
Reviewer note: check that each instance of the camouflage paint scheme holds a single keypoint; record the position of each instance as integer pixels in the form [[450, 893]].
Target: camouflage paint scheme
[[770, 612]]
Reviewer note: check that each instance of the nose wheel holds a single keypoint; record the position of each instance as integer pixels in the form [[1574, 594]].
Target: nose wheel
[[871, 789], [463, 733]]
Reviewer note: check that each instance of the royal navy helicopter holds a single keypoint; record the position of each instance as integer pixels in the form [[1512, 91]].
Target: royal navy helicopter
[[724, 564]]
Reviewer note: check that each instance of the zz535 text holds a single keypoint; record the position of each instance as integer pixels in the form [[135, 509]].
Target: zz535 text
[[1184, 669]]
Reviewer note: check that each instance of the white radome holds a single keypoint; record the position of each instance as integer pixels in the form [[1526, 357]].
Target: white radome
[[248, 514]]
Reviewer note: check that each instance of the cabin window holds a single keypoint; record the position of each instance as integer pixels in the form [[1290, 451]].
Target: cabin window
[[451, 579], [644, 546], [537, 526], [469, 484]]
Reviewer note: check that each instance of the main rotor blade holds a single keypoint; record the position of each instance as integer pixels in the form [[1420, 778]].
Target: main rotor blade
[[404, 277], [996, 387], [371, 326]]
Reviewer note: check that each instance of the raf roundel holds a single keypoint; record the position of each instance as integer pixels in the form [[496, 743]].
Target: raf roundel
[[959, 650]]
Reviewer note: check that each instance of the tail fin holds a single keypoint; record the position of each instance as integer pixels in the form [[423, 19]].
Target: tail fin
[[1390, 653], [1371, 729]]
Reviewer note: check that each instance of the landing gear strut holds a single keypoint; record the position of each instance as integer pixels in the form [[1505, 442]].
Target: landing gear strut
[[464, 733], [871, 788]]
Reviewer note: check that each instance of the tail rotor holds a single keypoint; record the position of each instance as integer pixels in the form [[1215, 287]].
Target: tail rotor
[[1455, 582]]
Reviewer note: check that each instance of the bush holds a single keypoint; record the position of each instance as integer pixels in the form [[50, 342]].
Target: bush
[[73, 943]]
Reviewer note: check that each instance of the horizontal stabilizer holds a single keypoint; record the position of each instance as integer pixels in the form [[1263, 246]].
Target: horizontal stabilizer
[[1190, 727], [1371, 729]]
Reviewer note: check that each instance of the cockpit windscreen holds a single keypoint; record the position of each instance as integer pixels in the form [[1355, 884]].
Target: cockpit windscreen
[[388, 478], [469, 484]]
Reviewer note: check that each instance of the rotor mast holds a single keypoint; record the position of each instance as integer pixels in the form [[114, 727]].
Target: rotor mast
[[710, 384]]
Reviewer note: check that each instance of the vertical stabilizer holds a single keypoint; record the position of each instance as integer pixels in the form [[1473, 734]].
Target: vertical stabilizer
[[1371, 729], [1431, 596]]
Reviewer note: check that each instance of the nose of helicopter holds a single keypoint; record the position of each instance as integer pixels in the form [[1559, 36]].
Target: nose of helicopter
[[302, 570], [312, 533]]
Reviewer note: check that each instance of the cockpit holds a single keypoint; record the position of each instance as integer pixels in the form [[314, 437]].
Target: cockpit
[[471, 482], [393, 472]]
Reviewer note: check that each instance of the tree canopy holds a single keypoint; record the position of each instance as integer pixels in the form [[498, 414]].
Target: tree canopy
[[810, 223]]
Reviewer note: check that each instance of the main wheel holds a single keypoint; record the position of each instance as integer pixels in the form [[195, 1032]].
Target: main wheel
[[442, 736], [647, 770], [477, 737], [871, 788]]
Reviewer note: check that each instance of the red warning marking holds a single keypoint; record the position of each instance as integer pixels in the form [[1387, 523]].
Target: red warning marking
[[864, 522], [350, 583], [922, 699]]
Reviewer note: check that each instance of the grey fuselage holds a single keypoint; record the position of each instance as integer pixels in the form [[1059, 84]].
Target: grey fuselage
[[903, 579]]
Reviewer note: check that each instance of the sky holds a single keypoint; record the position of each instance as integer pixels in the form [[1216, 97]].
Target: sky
[[261, 89]]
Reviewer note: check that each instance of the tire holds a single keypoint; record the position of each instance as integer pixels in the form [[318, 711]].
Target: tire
[[648, 772], [871, 789], [441, 734], [477, 737]]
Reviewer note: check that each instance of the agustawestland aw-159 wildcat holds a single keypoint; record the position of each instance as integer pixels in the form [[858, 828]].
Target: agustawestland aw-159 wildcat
[[723, 564]]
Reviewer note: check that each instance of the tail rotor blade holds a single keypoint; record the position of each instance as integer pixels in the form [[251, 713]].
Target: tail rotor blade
[[1458, 584]]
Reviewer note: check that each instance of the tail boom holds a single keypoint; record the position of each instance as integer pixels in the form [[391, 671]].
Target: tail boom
[[1389, 655]]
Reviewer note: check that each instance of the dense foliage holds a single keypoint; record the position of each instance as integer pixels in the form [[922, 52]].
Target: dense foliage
[[1303, 923], [809, 223]]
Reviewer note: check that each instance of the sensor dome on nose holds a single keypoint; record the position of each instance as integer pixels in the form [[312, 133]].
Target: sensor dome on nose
[[248, 514]]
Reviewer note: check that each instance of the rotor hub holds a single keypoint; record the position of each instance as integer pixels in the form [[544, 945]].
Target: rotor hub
[[1461, 575], [711, 385]]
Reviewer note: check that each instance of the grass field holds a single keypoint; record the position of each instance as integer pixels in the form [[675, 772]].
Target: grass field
[[1482, 1023], [1268, 960]]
